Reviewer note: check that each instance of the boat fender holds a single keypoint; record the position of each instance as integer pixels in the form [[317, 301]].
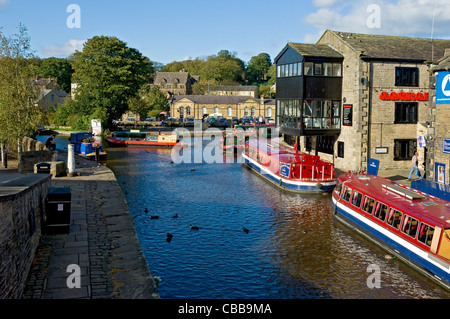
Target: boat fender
[[319, 185]]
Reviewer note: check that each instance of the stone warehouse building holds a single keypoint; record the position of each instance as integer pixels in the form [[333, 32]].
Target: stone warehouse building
[[352, 97], [197, 106], [175, 83]]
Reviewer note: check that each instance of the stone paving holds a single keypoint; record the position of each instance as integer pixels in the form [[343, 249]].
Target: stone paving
[[102, 242]]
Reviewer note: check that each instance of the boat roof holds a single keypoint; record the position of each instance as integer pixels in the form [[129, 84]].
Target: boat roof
[[284, 153], [428, 208]]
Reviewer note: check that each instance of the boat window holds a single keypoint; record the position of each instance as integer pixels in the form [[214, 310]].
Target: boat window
[[346, 193], [394, 218], [368, 205], [380, 211], [409, 226], [338, 188], [425, 234], [356, 199]]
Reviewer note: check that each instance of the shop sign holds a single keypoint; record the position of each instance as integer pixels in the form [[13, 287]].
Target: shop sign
[[446, 146], [443, 88], [403, 96]]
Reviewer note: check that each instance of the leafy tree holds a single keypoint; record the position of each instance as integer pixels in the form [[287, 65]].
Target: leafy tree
[[19, 114], [157, 100], [61, 69], [109, 73], [258, 67]]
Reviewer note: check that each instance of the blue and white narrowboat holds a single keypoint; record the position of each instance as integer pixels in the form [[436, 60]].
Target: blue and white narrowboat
[[289, 169], [411, 225]]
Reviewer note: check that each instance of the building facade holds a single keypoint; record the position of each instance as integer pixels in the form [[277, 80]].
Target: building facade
[[438, 132], [238, 90], [174, 83], [197, 106], [384, 104]]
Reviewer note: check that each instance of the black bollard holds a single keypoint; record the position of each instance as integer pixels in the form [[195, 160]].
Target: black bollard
[[97, 154]]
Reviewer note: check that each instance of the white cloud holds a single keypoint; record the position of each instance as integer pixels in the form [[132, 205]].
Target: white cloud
[[398, 17], [64, 50]]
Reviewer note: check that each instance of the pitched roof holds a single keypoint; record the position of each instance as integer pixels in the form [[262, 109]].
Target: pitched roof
[[219, 99], [443, 64], [171, 77], [374, 46], [235, 88], [315, 50]]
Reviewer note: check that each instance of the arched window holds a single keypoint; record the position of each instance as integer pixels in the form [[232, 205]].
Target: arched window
[[216, 109], [204, 110], [188, 111], [181, 109], [229, 111], [246, 111], [269, 112], [253, 111]]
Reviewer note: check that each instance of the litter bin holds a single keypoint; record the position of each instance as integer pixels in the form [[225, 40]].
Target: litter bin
[[43, 168], [57, 210]]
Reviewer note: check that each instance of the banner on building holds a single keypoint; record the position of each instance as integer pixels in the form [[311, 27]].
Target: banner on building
[[372, 168], [443, 88]]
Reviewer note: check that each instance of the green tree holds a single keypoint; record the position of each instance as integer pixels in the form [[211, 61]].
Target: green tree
[[19, 114], [61, 69], [258, 67], [157, 100], [108, 73]]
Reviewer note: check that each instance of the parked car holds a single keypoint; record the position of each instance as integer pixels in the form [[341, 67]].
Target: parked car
[[222, 122], [270, 120], [234, 120], [247, 120], [149, 119], [189, 121]]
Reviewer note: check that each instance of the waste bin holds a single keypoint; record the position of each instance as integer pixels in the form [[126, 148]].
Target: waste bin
[[57, 210], [43, 168]]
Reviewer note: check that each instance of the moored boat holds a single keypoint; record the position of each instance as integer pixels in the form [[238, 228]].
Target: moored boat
[[411, 225], [289, 169], [87, 146], [138, 138]]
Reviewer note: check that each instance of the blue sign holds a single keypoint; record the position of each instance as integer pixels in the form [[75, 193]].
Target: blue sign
[[372, 168], [285, 169], [443, 88], [446, 146]]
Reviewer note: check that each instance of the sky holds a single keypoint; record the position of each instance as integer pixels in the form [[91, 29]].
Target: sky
[[175, 30]]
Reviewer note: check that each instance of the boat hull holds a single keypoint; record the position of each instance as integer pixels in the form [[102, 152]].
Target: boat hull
[[313, 187], [124, 143], [427, 264]]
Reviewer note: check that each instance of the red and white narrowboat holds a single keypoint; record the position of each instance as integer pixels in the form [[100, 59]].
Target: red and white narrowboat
[[411, 225], [289, 169], [138, 139]]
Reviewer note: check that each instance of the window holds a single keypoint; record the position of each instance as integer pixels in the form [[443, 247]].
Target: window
[[318, 69], [337, 69], [338, 188], [188, 111], [228, 111], [246, 111], [347, 192], [341, 149], [328, 69], [269, 112], [406, 76], [204, 110], [252, 111], [409, 226], [292, 69], [216, 109], [394, 218], [380, 211], [368, 205], [406, 112], [309, 68], [356, 199], [426, 234], [404, 149]]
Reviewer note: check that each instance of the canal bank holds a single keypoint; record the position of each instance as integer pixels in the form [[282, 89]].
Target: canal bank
[[102, 242]]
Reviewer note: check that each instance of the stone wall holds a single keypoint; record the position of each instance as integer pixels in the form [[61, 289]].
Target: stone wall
[[33, 152], [22, 204]]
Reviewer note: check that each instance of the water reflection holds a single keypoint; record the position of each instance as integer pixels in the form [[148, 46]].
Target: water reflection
[[294, 248]]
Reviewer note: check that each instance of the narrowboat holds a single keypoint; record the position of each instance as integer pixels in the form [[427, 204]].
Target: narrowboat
[[87, 146], [412, 225], [289, 169], [139, 139]]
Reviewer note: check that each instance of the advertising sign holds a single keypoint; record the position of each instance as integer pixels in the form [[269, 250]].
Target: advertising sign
[[285, 169], [439, 173], [443, 88], [446, 146], [96, 127], [372, 168]]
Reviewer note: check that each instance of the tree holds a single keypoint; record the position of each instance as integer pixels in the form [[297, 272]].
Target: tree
[[61, 69], [19, 114], [109, 73], [258, 67], [157, 100]]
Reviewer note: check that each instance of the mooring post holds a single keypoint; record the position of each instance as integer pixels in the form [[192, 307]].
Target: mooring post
[[71, 160]]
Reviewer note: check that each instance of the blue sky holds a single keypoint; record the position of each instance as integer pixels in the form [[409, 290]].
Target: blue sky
[[167, 31]]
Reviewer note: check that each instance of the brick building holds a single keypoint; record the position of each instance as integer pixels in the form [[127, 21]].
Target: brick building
[[196, 106], [384, 97]]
